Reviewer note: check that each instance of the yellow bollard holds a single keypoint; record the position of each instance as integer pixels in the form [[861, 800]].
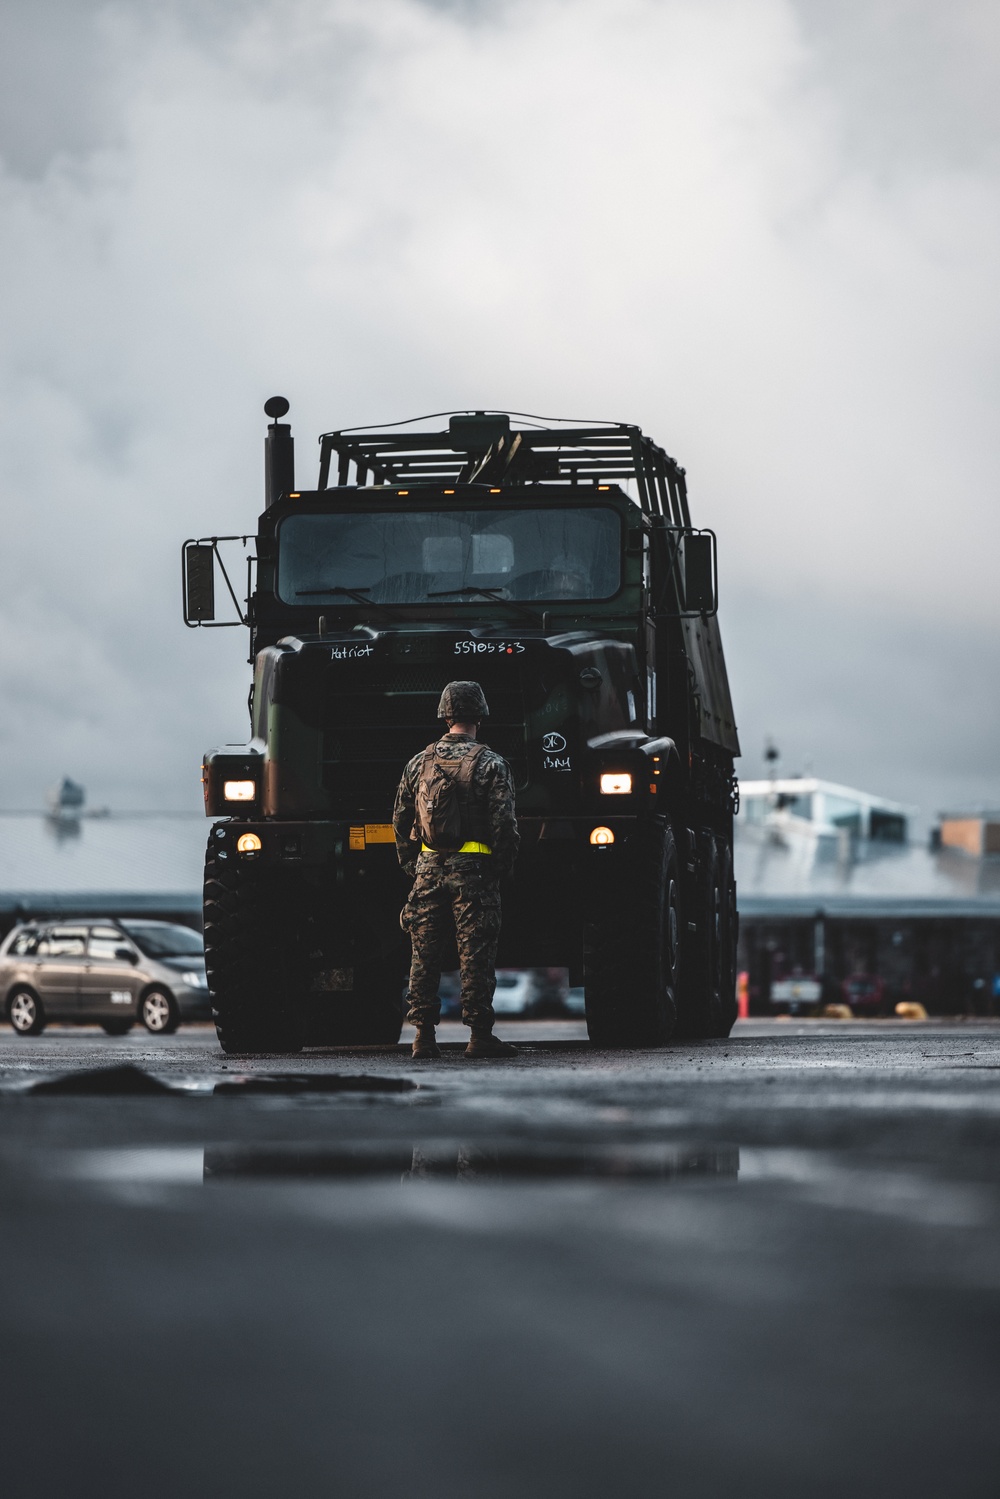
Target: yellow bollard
[[910, 1010], [836, 1012]]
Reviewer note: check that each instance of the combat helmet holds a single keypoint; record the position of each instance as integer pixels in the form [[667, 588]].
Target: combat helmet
[[463, 702]]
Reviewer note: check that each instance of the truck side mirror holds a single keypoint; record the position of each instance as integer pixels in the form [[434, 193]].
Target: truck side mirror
[[199, 583], [698, 558]]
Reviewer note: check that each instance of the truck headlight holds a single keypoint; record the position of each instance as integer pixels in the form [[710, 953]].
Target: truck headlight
[[616, 783], [248, 844], [239, 791]]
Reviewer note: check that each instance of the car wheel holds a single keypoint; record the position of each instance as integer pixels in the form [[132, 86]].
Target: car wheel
[[116, 1027], [158, 1012], [25, 1013]]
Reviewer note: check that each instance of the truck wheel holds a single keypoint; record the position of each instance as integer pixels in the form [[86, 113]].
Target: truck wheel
[[632, 946], [707, 1000], [25, 1013], [251, 958]]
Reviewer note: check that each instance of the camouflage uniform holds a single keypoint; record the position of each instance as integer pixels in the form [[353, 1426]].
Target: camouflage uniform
[[456, 893]]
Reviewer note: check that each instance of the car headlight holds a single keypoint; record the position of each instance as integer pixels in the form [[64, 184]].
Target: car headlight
[[194, 980], [616, 783]]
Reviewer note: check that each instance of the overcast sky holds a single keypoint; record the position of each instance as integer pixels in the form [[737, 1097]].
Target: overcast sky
[[766, 230]]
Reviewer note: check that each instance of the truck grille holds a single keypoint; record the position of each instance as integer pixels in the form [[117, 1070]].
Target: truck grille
[[372, 728]]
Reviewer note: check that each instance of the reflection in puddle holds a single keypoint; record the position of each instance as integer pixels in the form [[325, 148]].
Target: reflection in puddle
[[829, 1179], [151, 1165], [293, 1083], [452, 1160]]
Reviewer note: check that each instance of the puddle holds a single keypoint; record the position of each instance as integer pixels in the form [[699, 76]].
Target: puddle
[[822, 1178]]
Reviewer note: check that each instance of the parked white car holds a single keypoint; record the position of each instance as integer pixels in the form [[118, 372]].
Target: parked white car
[[516, 991]]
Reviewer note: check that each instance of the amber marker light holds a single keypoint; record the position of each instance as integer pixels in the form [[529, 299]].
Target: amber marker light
[[494, 491], [249, 844], [447, 491], [239, 791], [402, 491], [616, 783], [295, 496], [601, 837]]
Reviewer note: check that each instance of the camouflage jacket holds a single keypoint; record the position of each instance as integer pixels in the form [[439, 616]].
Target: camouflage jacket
[[491, 780]]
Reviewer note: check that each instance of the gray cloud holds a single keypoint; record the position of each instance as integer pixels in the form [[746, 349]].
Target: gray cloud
[[767, 231]]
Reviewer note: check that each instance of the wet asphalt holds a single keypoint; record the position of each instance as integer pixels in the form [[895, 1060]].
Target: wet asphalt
[[768, 1266]]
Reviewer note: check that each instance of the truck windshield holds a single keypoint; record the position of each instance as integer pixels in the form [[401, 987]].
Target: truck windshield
[[403, 557]]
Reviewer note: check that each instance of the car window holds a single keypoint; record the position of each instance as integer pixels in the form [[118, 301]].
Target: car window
[[165, 939], [66, 942], [23, 943], [105, 942]]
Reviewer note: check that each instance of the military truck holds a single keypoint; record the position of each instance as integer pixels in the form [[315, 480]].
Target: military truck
[[557, 565]]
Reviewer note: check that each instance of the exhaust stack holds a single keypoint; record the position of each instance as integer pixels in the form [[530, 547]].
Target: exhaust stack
[[279, 453]]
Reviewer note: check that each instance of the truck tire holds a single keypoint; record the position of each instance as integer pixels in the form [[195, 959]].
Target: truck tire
[[632, 945], [707, 999], [251, 958]]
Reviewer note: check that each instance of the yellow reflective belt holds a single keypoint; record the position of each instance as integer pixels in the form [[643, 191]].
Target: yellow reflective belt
[[467, 848]]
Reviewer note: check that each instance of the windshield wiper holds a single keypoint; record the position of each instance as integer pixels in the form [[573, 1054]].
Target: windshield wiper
[[357, 594], [487, 593]]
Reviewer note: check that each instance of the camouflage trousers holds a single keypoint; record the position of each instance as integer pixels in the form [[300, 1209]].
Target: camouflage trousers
[[455, 897]]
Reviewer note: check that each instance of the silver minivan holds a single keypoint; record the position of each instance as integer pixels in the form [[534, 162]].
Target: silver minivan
[[107, 972]]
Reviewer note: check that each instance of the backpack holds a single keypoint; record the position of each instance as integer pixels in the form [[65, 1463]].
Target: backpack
[[443, 815]]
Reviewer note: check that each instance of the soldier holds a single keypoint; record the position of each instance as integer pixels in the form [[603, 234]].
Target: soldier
[[456, 836]]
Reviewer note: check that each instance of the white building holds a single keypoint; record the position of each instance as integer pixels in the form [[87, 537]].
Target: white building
[[800, 839], [804, 806]]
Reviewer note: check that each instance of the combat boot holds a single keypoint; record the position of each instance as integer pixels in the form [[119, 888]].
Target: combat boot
[[483, 1043], [425, 1047]]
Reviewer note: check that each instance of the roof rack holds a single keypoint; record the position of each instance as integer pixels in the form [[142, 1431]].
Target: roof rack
[[479, 447]]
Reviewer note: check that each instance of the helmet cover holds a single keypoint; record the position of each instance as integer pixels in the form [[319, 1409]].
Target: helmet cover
[[463, 702]]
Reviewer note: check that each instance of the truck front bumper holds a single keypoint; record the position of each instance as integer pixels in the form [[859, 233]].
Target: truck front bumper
[[322, 843]]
